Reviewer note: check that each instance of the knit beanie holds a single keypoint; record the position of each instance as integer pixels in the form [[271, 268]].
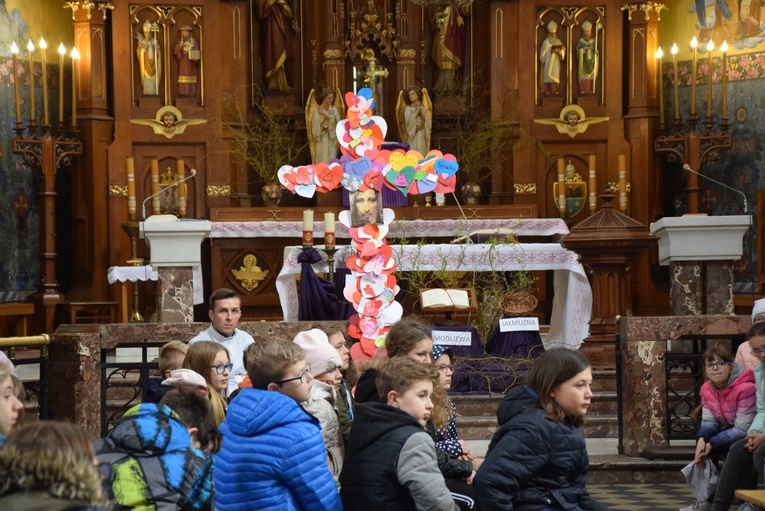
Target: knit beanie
[[758, 308], [186, 378], [318, 351]]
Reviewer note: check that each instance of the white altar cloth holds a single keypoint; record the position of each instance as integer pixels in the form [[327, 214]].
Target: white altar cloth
[[572, 303], [398, 229], [144, 273]]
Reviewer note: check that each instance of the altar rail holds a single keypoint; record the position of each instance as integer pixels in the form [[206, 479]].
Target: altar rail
[[25, 353], [82, 373], [654, 404]]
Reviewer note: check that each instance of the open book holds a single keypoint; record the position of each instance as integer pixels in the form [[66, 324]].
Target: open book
[[446, 298]]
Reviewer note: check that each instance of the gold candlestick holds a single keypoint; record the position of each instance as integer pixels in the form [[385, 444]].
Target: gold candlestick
[[676, 80], [131, 229], [43, 45], [659, 55], [31, 50], [330, 250], [710, 47], [61, 53], [16, 96], [694, 44]]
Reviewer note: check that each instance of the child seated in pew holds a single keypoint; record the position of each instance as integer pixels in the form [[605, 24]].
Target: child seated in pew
[[171, 356], [728, 408]]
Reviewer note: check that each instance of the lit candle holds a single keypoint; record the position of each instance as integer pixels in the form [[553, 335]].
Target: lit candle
[[329, 230], [623, 183], [155, 204], [31, 50], [130, 168], [44, 45], [182, 192], [674, 69], [593, 185], [724, 50], [307, 228], [61, 53], [710, 47], [694, 44], [659, 55], [75, 56], [16, 97], [561, 187]]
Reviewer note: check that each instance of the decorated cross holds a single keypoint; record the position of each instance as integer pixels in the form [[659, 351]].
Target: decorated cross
[[364, 166]]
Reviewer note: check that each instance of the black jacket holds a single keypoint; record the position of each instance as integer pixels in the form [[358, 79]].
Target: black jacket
[[533, 462], [378, 475]]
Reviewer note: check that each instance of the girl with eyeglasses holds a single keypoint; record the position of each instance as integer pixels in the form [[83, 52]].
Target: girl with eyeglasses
[[727, 409], [212, 361]]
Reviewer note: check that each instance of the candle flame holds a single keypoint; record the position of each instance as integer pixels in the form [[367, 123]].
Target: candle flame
[[694, 42], [659, 54], [61, 49], [724, 47], [14, 48], [674, 49], [30, 46], [75, 54], [43, 44], [710, 46]]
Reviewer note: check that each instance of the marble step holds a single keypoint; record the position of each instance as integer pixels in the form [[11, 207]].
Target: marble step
[[483, 427]]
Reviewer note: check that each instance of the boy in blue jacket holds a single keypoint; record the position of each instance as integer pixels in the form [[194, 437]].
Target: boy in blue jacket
[[273, 456]]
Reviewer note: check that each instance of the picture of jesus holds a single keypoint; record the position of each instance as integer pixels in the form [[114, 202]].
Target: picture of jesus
[[366, 208]]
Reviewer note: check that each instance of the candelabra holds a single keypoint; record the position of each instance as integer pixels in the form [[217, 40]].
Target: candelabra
[[40, 148], [330, 250], [131, 229]]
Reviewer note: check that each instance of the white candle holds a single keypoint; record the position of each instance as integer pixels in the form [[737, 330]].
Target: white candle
[[31, 50], [44, 45], [710, 47], [724, 78], [75, 56], [16, 97], [659, 55], [329, 222], [674, 69], [61, 53], [308, 220], [694, 44]]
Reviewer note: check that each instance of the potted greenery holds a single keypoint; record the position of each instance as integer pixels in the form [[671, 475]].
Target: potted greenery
[[266, 143]]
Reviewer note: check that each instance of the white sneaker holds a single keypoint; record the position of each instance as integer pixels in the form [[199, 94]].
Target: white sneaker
[[698, 506]]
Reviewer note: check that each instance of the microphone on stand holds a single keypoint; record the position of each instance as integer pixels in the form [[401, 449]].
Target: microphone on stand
[[689, 169], [192, 173]]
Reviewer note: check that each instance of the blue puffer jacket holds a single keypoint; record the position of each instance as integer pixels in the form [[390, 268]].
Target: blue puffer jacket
[[273, 457], [533, 463]]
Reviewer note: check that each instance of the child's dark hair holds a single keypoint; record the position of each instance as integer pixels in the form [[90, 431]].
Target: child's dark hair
[[194, 410], [757, 330], [399, 374], [553, 367], [719, 351], [404, 334]]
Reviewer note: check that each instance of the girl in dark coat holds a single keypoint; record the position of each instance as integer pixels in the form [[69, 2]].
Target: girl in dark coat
[[537, 459]]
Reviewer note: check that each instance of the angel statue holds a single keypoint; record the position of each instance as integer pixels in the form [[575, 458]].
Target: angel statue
[[414, 114], [322, 114], [572, 121], [168, 122]]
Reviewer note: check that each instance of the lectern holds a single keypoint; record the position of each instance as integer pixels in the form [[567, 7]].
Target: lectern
[[175, 251], [701, 251]]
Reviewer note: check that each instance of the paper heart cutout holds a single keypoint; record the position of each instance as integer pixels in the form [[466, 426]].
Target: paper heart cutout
[[447, 167], [399, 160], [445, 184], [426, 185], [306, 191], [402, 180], [373, 179], [287, 175], [358, 168], [328, 177]]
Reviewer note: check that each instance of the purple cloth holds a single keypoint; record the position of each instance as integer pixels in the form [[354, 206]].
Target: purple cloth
[[317, 300], [514, 344], [491, 374]]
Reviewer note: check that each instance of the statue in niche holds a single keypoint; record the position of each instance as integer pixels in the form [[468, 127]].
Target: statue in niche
[[322, 115], [168, 122], [414, 113], [278, 19], [572, 121], [551, 55], [449, 41], [587, 56], [188, 54], [149, 59]]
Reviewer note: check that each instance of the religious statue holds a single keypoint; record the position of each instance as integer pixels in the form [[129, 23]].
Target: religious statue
[[373, 78], [188, 54], [168, 121], [551, 54], [278, 18], [733, 21], [322, 114], [414, 113], [149, 59], [449, 40], [587, 56], [572, 121]]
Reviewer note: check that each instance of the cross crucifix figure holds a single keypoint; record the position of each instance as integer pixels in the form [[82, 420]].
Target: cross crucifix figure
[[374, 76]]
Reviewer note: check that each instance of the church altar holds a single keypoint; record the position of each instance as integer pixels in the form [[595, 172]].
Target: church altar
[[572, 301], [398, 229]]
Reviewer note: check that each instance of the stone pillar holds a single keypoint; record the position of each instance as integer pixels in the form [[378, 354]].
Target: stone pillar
[[701, 287]]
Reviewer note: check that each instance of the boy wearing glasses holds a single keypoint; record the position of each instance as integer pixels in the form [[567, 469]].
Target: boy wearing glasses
[[273, 456], [390, 461], [225, 311], [325, 364]]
